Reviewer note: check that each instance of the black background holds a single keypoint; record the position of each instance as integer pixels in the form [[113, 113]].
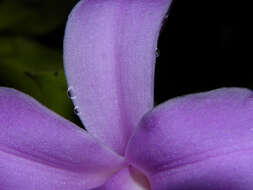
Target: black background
[[204, 45]]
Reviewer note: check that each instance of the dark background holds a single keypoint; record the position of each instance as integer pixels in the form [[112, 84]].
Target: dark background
[[203, 45]]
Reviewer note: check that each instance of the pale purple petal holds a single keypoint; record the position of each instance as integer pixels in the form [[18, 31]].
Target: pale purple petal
[[40, 150], [109, 56], [201, 141], [126, 179]]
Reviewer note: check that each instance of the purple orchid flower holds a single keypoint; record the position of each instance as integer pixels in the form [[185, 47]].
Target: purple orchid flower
[[197, 142]]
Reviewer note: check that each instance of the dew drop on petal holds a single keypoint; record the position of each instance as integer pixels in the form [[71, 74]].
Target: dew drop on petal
[[70, 93], [76, 110], [157, 52]]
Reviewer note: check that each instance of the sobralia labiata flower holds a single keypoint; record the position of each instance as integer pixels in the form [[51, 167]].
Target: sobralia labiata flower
[[196, 142]]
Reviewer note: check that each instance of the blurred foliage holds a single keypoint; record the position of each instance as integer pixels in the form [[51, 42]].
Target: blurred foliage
[[34, 17], [27, 55], [27, 61]]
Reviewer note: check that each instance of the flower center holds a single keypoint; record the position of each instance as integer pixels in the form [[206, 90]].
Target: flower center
[[140, 179]]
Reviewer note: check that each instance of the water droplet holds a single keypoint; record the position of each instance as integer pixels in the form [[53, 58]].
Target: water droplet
[[157, 53], [76, 110], [70, 93]]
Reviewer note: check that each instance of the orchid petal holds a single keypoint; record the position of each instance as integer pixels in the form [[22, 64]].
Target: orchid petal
[[40, 150], [200, 141], [126, 179], [109, 56]]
